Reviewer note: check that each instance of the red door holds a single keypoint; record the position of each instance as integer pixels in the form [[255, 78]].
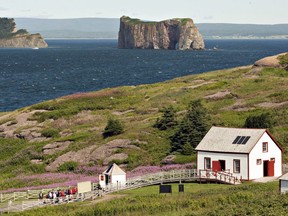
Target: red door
[[216, 166], [270, 168]]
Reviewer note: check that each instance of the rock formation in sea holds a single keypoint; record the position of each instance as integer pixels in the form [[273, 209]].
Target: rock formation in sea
[[11, 37], [179, 34]]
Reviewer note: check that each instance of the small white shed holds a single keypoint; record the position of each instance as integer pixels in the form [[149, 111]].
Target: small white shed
[[114, 176], [246, 153], [283, 183]]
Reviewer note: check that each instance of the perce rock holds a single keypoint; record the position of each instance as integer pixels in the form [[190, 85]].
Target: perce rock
[[171, 34]]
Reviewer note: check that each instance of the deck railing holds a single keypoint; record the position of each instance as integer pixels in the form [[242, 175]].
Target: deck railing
[[222, 176]]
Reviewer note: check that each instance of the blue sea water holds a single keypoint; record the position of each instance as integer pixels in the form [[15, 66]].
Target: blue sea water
[[29, 76]]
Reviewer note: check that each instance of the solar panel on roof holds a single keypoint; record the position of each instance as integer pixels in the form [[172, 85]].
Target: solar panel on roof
[[236, 140], [245, 140], [241, 139]]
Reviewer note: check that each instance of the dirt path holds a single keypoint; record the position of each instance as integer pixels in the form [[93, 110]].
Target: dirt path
[[106, 197]]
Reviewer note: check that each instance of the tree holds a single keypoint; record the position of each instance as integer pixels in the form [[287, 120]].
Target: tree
[[168, 119], [263, 120], [113, 127], [192, 128]]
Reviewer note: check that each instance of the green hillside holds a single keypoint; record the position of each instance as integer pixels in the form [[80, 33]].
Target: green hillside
[[74, 125]]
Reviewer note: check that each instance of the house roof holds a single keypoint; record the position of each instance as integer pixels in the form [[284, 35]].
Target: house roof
[[114, 169], [220, 139]]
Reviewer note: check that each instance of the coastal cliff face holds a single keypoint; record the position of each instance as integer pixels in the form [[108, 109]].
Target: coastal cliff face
[[11, 37], [24, 41], [179, 34]]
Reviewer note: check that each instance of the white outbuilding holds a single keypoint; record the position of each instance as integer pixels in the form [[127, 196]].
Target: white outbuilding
[[113, 177], [245, 153]]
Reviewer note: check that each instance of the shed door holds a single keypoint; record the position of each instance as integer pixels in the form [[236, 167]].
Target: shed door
[[216, 166], [270, 168]]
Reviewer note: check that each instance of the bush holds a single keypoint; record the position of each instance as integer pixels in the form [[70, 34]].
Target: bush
[[283, 60], [69, 166], [259, 121], [114, 127], [50, 132]]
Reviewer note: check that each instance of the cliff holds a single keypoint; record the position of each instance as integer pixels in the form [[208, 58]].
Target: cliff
[[179, 34], [11, 37]]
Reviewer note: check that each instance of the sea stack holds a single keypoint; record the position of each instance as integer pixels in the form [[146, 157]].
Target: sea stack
[[171, 34], [11, 37]]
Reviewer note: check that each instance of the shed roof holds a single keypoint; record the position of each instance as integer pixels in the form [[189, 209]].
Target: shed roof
[[284, 177], [220, 139], [114, 169]]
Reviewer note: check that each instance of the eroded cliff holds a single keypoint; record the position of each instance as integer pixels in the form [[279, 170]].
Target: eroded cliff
[[179, 34], [11, 37]]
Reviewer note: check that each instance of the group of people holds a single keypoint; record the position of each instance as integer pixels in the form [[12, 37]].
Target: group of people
[[55, 195]]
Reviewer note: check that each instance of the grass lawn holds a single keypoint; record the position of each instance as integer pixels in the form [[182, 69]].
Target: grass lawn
[[198, 199]]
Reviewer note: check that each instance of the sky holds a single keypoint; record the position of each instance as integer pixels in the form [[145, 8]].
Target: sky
[[201, 11]]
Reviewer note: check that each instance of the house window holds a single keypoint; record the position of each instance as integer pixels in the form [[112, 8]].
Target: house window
[[258, 161], [272, 159], [207, 163], [265, 146], [236, 166]]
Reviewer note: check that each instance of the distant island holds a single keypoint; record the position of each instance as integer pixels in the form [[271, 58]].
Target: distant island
[[108, 28], [179, 34], [11, 37]]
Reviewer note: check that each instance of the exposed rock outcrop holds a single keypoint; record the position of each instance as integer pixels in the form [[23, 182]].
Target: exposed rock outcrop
[[270, 61], [105, 153], [179, 34], [11, 37]]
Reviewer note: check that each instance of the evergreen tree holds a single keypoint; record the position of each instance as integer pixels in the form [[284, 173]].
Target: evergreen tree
[[263, 120], [168, 119], [192, 128], [113, 127]]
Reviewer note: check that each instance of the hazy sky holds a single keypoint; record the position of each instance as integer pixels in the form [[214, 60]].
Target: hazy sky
[[209, 11]]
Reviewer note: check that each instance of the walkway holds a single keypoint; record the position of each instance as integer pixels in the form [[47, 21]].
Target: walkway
[[171, 176]]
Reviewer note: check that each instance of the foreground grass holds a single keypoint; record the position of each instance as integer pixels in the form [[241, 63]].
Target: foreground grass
[[204, 199]]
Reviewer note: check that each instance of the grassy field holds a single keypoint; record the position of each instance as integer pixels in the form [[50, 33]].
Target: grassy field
[[230, 96], [198, 199]]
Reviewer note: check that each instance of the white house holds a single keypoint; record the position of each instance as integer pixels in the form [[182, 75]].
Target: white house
[[114, 176], [246, 153]]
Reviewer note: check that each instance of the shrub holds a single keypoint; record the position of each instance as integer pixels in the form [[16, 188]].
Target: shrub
[[50, 132], [283, 60], [114, 127], [69, 166], [259, 121]]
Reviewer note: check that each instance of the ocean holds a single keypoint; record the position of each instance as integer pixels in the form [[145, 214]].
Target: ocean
[[29, 76]]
